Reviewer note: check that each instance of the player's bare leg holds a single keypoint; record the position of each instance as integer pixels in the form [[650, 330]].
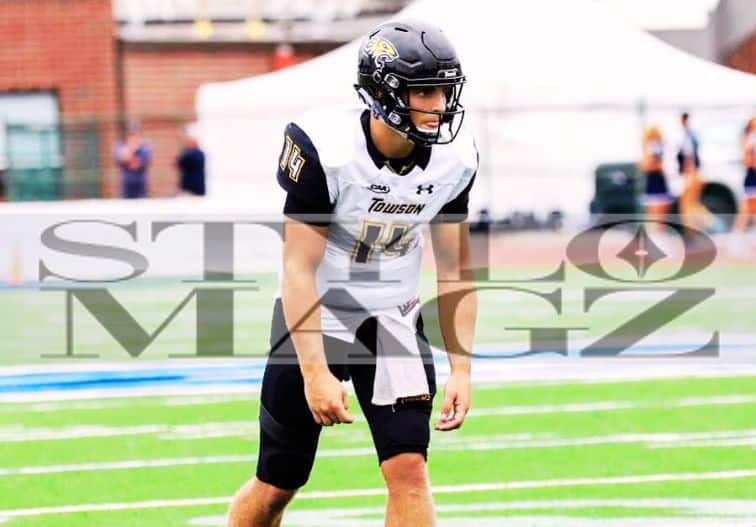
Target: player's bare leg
[[409, 496], [258, 504], [657, 214], [746, 213]]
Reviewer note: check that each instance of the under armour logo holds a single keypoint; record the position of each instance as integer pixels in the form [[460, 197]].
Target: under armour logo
[[421, 189]]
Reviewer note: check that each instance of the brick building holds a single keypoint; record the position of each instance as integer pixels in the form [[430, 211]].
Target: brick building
[[160, 80], [171, 48], [56, 74], [744, 56], [73, 73]]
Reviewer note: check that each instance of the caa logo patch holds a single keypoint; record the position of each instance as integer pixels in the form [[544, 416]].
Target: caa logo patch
[[379, 189]]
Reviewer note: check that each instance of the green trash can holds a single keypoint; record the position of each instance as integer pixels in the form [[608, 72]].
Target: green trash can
[[619, 187]]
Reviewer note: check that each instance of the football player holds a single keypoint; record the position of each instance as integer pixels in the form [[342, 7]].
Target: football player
[[361, 186]]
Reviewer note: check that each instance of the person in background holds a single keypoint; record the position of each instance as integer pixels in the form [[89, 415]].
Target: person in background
[[693, 213], [688, 158], [133, 157], [656, 197], [2, 185], [191, 165], [747, 211]]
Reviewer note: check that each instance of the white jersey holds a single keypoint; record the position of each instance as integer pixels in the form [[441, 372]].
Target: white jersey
[[377, 207]]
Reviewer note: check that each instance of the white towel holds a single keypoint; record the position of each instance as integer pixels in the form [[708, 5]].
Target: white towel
[[399, 369]]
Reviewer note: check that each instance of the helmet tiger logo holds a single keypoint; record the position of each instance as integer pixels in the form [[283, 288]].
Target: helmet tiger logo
[[382, 51]]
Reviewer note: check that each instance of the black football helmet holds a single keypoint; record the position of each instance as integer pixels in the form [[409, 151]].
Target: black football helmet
[[397, 56]]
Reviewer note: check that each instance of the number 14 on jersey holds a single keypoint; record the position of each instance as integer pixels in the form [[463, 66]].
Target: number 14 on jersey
[[391, 240]]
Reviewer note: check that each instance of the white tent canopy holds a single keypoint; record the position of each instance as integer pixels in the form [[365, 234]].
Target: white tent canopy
[[534, 67]]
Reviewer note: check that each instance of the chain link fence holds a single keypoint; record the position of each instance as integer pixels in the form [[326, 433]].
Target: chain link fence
[[76, 160]]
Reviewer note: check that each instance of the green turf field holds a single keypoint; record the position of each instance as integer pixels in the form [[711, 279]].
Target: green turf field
[[654, 450], [662, 453]]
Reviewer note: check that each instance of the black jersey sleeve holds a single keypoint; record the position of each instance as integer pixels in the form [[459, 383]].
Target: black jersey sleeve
[[456, 210], [301, 175], [305, 212]]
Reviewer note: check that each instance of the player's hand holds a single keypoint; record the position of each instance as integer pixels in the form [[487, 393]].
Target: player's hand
[[328, 399], [456, 402]]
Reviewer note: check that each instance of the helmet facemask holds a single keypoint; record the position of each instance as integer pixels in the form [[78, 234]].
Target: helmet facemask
[[388, 98]]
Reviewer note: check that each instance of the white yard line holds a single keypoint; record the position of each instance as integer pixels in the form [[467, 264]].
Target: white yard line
[[440, 444], [605, 406], [119, 393], [613, 405], [215, 398], [221, 398], [125, 465], [107, 404], [16, 433], [444, 489], [723, 400], [716, 443], [687, 513], [511, 485], [706, 510]]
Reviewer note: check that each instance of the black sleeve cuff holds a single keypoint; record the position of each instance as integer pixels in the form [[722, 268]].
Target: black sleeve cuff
[[456, 210], [317, 214]]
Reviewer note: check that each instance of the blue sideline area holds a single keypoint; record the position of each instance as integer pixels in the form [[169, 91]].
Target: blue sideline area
[[154, 377], [491, 363]]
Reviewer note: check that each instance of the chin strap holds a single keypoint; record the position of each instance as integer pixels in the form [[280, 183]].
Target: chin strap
[[411, 133], [378, 111]]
